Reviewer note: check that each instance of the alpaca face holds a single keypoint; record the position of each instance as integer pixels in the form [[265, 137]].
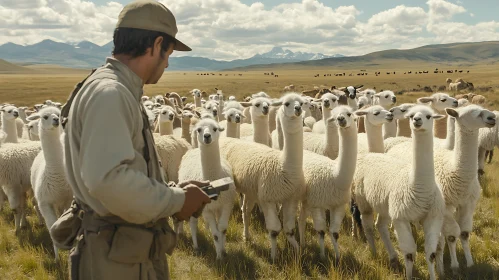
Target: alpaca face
[[233, 115], [292, 105], [196, 93], [421, 118], [9, 112], [440, 101], [400, 111], [260, 107], [363, 101], [369, 94], [48, 118], [144, 98], [212, 107], [33, 127], [208, 131], [473, 117], [343, 116], [386, 98], [187, 116], [351, 92], [376, 115], [462, 102], [160, 99], [329, 101], [166, 114]]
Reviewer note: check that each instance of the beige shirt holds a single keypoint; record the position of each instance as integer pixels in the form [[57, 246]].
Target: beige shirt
[[104, 145]]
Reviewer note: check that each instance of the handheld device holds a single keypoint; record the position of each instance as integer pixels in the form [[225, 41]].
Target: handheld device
[[213, 190]]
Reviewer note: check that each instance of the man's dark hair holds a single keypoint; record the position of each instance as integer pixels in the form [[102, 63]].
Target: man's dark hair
[[134, 42]]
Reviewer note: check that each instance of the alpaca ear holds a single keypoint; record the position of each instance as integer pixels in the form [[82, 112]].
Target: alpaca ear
[[331, 119], [155, 111], [33, 117], [246, 104], [276, 103], [438, 116], [451, 112], [377, 94], [425, 99], [221, 128], [360, 113]]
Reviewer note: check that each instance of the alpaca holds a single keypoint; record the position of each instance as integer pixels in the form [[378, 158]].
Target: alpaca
[[387, 99], [488, 138], [271, 177], [185, 130], [205, 163], [403, 127], [375, 120], [439, 101], [50, 187], [196, 93], [405, 194], [258, 131], [233, 114], [329, 102], [328, 181], [457, 177], [164, 122], [9, 115]]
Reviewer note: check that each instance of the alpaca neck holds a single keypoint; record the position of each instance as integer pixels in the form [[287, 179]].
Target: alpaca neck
[[332, 143], [422, 157], [451, 133], [352, 103], [10, 128], [232, 130], [465, 150], [22, 116], [197, 101], [374, 137], [292, 151], [403, 128], [52, 148], [347, 157], [185, 130], [261, 130], [326, 114], [210, 160], [166, 128], [307, 113]]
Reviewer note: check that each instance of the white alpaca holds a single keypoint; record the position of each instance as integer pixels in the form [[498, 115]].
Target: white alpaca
[[457, 176], [308, 107], [404, 192], [326, 144], [10, 124], [271, 177], [212, 106], [196, 93], [185, 130], [375, 118], [329, 102], [387, 99], [258, 131], [50, 187], [368, 94], [488, 139], [403, 126], [439, 101], [328, 181], [205, 163], [233, 114], [164, 122]]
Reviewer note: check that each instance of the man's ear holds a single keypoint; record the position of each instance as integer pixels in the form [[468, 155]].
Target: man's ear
[[157, 45]]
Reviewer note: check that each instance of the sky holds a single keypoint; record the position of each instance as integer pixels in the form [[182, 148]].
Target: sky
[[234, 29]]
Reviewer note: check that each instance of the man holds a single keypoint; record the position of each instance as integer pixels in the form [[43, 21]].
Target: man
[[111, 162]]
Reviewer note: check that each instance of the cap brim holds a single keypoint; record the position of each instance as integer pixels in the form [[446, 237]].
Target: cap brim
[[179, 46]]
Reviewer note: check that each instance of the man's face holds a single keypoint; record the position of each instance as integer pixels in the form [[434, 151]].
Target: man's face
[[158, 64]]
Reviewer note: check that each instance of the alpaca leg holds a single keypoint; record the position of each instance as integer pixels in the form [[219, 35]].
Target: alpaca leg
[[382, 226], [451, 231], [356, 219], [289, 209], [368, 225], [178, 227], [48, 213], [23, 222], [272, 224], [406, 244], [14, 196], [37, 210], [432, 228], [491, 154], [337, 215], [319, 217], [464, 217], [481, 160], [3, 197], [223, 224], [302, 222], [209, 218], [246, 211], [193, 223], [440, 255]]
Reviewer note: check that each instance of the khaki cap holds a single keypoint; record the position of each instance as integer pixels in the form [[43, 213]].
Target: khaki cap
[[150, 15]]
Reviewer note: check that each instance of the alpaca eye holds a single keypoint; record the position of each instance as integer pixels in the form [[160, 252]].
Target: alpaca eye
[[403, 111], [9, 111], [199, 130], [45, 117], [428, 116], [376, 113], [349, 114], [411, 116], [215, 129], [386, 96], [286, 104], [443, 100], [257, 105]]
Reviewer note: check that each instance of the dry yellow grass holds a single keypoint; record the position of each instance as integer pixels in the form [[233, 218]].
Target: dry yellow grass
[[30, 255]]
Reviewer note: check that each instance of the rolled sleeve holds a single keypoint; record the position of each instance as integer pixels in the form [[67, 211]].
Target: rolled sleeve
[[107, 155]]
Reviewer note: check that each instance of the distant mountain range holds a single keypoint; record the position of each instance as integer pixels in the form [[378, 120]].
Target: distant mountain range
[[87, 55]]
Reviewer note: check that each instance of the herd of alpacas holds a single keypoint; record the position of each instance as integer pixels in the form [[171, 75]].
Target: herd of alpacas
[[295, 154]]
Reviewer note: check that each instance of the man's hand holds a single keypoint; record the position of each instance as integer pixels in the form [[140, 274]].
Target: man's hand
[[195, 199]]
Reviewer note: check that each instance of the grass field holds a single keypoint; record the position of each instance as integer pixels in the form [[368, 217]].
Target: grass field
[[30, 255]]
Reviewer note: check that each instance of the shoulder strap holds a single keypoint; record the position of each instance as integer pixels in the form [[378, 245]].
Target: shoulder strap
[[67, 105]]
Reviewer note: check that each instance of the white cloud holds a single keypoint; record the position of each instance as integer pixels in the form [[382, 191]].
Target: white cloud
[[229, 29]]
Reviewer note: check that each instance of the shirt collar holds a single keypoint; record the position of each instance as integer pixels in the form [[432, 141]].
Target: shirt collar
[[130, 79]]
